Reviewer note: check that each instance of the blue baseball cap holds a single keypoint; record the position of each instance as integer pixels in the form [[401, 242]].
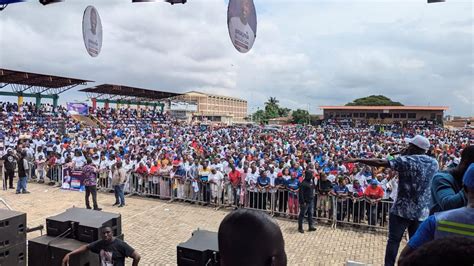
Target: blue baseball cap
[[468, 178], [374, 182]]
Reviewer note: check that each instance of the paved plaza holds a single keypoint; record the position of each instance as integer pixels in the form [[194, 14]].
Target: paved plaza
[[155, 227]]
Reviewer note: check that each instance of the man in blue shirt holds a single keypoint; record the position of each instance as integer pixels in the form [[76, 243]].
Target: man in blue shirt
[[457, 222], [415, 170]]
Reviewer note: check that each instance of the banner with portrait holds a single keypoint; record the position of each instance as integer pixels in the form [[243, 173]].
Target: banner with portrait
[[72, 180], [78, 108], [92, 31], [242, 24]]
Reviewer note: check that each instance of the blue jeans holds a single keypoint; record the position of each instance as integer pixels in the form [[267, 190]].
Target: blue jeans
[[396, 227], [21, 185], [119, 195], [307, 208]]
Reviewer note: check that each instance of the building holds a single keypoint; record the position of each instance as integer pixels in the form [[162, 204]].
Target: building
[[181, 110], [384, 114], [216, 108]]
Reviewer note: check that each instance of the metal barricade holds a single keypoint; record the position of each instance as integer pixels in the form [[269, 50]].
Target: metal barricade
[[360, 211], [280, 203], [104, 182], [3, 176], [259, 199], [158, 186], [31, 171], [349, 210], [56, 174]]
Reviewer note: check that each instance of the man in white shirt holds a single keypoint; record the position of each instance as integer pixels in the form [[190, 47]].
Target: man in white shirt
[[251, 179], [78, 160], [215, 179]]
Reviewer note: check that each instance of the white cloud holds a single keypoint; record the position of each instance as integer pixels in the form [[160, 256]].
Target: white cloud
[[306, 52]]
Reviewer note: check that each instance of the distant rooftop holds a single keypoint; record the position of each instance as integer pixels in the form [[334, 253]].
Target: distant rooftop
[[215, 95], [121, 90], [407, 108]]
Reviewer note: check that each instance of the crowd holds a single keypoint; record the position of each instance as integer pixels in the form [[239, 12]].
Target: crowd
[[225, 163], [144, 151]]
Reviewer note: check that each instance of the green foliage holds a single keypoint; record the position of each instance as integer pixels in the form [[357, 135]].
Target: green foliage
[[284, 112], [259, 117], [300, 116], [272, 109], [374, 100]]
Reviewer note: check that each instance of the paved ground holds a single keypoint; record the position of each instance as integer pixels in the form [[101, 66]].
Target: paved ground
[[155, 227]]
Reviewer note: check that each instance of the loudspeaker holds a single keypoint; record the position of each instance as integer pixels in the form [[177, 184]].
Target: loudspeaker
[[12, 228], [201, 249], [50, 251], [15, 255], [85, 225]]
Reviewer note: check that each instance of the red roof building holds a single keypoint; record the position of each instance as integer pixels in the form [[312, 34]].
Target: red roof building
[[385, 114]]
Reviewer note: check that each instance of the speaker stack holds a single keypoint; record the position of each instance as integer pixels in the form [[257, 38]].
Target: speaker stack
[[68, 231], [201, 249], [12, 238]]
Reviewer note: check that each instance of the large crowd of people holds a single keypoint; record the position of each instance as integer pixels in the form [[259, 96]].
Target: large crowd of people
[[251, 166]]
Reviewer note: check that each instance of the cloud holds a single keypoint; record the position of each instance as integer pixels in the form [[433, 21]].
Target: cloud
[[316, 53]]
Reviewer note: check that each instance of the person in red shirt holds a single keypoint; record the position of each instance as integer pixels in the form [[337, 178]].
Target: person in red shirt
[[142, 173], [373, 194], [234, 177]]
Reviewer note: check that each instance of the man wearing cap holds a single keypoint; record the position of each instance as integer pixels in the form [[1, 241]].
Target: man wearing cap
[[373, 195], [10, 161], [457, 222], [416, 170]]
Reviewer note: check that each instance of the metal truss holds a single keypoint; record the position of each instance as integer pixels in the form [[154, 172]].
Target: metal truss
[[21, 88]]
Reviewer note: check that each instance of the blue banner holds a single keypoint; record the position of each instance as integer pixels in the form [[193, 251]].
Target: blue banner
[[78, 108]]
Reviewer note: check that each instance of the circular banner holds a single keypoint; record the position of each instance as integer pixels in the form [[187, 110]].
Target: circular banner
[[242, 24], [92, 31]]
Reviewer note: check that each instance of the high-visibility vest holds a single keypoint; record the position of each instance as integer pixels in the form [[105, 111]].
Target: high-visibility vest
[[457, 222]]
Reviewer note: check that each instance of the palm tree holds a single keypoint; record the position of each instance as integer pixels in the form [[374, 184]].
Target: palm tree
[[272, 101]]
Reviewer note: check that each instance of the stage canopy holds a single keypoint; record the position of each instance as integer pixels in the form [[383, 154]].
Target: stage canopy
[[34, 83], [126, 93]]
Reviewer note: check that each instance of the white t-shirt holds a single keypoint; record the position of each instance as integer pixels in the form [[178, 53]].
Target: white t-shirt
[[252, 180], [216, 178], [79, 161]]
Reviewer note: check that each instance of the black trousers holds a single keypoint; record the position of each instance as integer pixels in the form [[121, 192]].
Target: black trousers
[[91, 190], [9, 174]]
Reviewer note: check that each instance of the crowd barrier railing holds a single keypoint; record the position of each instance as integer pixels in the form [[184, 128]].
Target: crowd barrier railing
[[55, 174], [50, 174], [332, 210], [158, 186], [104, 181]]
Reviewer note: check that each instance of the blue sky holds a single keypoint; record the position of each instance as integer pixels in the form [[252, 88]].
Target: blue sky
[[306, 52]]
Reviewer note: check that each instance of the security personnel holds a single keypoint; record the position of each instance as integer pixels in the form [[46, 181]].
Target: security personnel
[[306, 201], [457, 222]]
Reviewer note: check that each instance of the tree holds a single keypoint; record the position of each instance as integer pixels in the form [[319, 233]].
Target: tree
[[300, 116], [272, 109], [284, 112], [259, 117], [374, 100]]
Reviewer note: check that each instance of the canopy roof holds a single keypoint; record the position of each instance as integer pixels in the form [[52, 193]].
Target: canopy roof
[[129, 92], [21, 82]]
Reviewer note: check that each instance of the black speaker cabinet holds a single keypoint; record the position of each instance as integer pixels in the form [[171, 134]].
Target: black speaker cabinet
[[201, 249], [15, 255], [49, 251], [12, 228], [85, 224]]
